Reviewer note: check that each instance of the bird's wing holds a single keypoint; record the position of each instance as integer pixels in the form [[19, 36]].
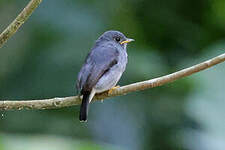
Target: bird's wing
[[98, 62]]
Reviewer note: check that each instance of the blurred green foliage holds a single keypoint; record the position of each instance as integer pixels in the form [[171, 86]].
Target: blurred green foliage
[[43, 58]]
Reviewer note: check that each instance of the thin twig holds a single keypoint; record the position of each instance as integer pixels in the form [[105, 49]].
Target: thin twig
[[75, 100], [20, 19]]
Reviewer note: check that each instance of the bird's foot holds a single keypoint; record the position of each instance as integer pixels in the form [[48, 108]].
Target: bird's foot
[[112, 89]]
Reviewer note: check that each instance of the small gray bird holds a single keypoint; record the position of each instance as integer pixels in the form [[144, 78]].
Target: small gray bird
[[103, 67]]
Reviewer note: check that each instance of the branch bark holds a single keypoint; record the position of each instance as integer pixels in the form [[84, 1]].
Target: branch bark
[[20, 19], [54, 103]]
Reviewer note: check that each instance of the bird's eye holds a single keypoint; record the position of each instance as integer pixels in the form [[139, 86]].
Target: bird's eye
[[117, 39]]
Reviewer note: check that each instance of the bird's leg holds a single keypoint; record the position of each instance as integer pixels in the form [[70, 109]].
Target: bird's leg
[[112, 89]]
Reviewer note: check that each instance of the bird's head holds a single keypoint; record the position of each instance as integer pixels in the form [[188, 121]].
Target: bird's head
[[116, 37]]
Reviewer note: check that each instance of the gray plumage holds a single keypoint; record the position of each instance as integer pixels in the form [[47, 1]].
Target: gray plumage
[[103, 67]]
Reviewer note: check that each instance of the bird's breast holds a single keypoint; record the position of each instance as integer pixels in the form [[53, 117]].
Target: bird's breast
[[122, 61], [110, 78]]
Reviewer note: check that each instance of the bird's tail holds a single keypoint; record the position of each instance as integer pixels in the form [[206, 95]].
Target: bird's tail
[[87, 97]]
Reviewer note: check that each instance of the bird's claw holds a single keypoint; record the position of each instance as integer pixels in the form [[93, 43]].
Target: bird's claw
[[112, 89]]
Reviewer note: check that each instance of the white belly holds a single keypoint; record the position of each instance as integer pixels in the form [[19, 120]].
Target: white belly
[[108, 80]]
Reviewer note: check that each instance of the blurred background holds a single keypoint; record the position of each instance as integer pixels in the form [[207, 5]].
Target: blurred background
[[43, 58]]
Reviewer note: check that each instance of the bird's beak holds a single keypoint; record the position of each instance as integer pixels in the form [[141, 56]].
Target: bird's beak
[[127, 41]]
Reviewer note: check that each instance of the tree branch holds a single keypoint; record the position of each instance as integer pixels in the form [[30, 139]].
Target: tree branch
[[75, 100], [20, 19]]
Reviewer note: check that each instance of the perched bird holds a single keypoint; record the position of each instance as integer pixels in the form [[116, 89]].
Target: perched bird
[[103, 67]]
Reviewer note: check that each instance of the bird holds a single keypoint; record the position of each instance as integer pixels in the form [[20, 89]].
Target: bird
[[103, 67]]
